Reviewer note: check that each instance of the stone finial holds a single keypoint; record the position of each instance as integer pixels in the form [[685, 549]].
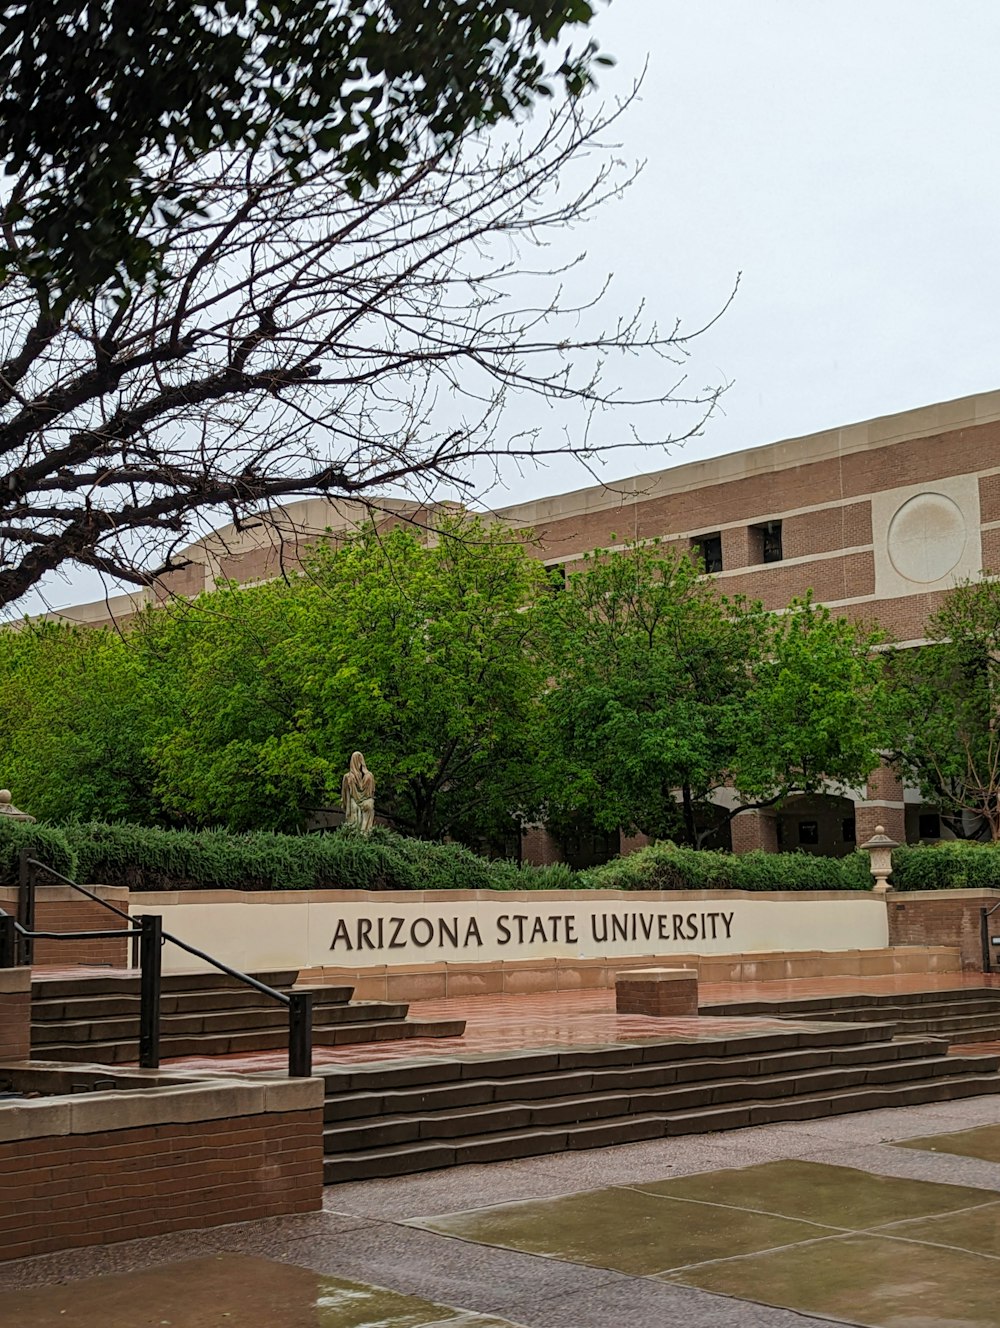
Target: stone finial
[[8, 809], [879, 849]]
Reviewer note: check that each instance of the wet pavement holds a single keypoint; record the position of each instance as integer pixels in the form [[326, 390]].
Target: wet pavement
[[788, 1226]]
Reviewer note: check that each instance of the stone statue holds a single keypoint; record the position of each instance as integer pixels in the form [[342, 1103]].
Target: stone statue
[[357, 795]]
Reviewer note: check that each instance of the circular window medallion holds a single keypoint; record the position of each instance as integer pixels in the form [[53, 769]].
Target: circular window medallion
[[926, 537]]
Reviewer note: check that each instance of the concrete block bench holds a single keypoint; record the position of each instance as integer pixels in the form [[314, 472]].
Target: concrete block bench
[[662, 992]]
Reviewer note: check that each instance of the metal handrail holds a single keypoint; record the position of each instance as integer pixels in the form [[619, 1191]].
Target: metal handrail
[[51, 871], [150, 938], [984, 935]]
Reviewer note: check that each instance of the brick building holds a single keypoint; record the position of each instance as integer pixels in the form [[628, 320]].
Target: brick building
[[879, 519]]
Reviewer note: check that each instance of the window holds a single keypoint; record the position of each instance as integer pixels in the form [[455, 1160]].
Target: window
[[848, 831], [769, 535], [809, 832], [929, 825], [709, 549], [557, 575]]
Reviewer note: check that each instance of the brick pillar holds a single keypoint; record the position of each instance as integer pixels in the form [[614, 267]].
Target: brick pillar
[[755, 829], [539, 847], [15, 1014], [736, 548], [883, 806], [631, 843]]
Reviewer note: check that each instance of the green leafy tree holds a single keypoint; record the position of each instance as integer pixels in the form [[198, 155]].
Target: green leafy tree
[[76, 718], [415, 651], [94, 94], [666, 693], [945, 711]]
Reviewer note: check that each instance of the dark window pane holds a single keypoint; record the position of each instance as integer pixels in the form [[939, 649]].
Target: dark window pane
[[808, 832], [709, 548], [929, 825], [772, 542], [847, 830]]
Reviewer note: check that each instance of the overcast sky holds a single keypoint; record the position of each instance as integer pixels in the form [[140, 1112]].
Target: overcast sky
[[845, 158]]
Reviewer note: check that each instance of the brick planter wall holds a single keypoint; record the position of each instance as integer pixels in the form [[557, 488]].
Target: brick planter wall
[[69, 1177], [942, 917], [58, 908]]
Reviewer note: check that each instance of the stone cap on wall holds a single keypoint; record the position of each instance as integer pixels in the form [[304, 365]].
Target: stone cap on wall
[[169, 1103]]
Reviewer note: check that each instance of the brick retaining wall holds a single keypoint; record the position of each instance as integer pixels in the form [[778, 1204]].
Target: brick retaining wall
[[58, 908], [68, 1187], [942, 917]]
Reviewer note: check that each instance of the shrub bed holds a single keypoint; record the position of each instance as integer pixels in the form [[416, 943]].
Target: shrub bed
[[951, 865], [43, 842], [149, 858], [671, 867]]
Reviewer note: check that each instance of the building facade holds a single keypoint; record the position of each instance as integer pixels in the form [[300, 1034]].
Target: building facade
[[878, 519]]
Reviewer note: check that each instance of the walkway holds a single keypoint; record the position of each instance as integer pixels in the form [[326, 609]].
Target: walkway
[[762, 1228]]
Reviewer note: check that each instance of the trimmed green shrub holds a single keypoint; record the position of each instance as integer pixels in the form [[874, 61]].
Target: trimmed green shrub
[[951, 865], [147, 858], [45, 843], [667, 866]]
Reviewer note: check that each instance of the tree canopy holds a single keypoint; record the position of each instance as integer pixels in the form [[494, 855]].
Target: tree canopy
[[94, 95], [667, 693], [302, 340], [482, 693], [945, 709]]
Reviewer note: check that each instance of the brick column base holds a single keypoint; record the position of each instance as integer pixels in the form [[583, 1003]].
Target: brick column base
[[539, 847], [755, 830], [661, 992], [15, 1014]]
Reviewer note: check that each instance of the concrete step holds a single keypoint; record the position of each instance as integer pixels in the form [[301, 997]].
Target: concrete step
[[272, 1015], [122, 982], [824, 1006], [524, 1140], [125, 1050], [459, 1092], [533, 1110], [227, 998]]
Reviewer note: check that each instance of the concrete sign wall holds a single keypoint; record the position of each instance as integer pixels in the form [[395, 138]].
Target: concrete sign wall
[[358, 929]]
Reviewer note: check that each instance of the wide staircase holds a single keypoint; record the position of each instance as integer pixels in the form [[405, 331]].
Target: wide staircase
[[965, 1014], [95, 1017], [385, 1120]]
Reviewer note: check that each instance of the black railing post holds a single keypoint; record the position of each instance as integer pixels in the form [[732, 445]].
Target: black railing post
[[300, 1034], [984, 936], [25, 906], [8, 941], [150, 962]]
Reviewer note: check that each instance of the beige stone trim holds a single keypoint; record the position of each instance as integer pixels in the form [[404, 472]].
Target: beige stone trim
[[171, 1104], [924, 422]]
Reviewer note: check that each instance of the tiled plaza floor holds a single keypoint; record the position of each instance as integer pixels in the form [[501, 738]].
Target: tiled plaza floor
[[786, 1226], [584, 1018]]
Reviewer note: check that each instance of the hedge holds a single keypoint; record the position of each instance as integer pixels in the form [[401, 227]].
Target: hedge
[[148, 858], [45, 843], [954, 864], [668, 866]]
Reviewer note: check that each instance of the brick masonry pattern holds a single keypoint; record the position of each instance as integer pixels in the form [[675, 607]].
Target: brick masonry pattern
[[66, 1191], [15, 1025], [79, 915], [941, 920]]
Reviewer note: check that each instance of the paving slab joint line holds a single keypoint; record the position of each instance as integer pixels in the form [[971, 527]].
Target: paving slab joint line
[[835, 1233]]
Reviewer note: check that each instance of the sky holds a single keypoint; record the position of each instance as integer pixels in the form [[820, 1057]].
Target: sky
[[844, 161]]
